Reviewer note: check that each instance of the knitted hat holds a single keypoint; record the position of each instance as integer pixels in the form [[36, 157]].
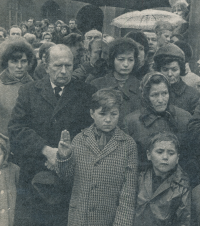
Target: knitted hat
[[169, 50]]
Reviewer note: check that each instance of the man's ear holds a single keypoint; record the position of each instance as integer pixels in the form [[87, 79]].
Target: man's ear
[[148, 155], [91, 113], [46, 67]]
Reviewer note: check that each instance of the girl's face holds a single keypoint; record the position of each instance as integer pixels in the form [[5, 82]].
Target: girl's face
[[159, 96], [124, 63], [105, 121], [172, 71]]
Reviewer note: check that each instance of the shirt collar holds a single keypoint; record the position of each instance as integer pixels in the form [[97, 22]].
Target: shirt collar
[[53, 86]]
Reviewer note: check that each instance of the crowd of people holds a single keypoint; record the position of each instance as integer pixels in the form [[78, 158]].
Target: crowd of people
[[98, 130]]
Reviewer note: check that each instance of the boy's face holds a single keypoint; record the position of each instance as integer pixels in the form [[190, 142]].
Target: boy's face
[[105, 121], [1, 156], [164, 157]]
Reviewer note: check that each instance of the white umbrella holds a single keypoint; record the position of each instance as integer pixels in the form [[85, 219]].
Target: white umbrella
[[146, 19]]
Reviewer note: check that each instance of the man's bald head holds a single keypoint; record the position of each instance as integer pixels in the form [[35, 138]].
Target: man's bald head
[[56, 49]]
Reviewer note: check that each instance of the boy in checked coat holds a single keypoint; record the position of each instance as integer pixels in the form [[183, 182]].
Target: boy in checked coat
[[164, 197], [102, 164]]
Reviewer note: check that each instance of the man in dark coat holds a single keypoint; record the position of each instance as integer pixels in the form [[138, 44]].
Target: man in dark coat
[[43, 109], [73, 27]]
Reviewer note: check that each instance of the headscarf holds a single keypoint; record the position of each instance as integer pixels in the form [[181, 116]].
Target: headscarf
[[149, 110]]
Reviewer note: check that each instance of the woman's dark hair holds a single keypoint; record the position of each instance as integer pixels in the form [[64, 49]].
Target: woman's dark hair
[[120, 46], [106, 98], [44, 47], [164, 60], [163, 136], [140, 37], [13, 49], [151, 79]]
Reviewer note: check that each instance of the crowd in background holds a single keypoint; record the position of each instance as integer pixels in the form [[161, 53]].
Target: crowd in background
[[99, 130]]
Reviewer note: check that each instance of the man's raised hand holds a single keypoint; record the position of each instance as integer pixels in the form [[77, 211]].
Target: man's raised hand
[[64, 146]]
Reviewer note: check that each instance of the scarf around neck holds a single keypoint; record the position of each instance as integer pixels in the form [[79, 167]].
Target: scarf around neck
[[8, 79]]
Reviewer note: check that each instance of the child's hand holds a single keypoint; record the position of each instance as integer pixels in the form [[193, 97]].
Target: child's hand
[[64, 146]]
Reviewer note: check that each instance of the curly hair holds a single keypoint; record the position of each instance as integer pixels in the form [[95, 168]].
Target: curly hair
[[120, 46], [164, 60], [13, 49]]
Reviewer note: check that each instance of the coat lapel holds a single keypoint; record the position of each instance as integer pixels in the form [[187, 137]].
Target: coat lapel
[[46, 91], [91, 141], [112, 144]]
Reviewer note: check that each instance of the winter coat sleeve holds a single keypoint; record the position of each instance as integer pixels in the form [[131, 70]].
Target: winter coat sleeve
[[184, 210], [127, 201], [22, 137]]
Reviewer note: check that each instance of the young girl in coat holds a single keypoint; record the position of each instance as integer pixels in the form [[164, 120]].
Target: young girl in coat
[[102, 164], [9, 175], [164, 193]]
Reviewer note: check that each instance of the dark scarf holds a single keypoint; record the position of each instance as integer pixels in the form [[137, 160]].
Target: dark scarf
[[179, 87], [149, 116], [101, 137], [8, 79]]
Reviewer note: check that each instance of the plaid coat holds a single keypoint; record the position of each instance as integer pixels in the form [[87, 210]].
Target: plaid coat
[[105, 182]]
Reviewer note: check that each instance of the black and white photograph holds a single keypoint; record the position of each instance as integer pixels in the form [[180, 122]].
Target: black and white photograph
[[100, 113]]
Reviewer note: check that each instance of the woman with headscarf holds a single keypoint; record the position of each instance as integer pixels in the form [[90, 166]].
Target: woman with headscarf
[[157, 115], [15, 60], [170, 61], [123, 62]]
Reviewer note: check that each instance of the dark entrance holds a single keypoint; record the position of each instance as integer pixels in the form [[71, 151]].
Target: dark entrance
[[90, 17], [51, 10]]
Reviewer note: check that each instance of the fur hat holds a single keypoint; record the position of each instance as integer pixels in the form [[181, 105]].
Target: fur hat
[[169, 50]]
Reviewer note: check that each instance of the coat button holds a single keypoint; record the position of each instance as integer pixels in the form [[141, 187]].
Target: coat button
[[2, 192]]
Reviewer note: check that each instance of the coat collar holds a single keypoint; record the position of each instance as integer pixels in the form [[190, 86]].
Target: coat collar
[[110, 146], [8, 79], [178, 178], [149, 117], [132, 85], [179, 87]]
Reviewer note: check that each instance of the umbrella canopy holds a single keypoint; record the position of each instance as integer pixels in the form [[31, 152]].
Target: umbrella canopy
[[146, 19], [129, 4]]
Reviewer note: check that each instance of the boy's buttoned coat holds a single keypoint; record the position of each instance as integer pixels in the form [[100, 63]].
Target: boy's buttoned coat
[[169, 205], [104, 188]]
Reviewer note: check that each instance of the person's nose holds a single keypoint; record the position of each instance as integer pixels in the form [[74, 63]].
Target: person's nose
[[165, 156], [63, 71], [107, 118], [170, 73], [19, 64], [160, 99], [125, 63]]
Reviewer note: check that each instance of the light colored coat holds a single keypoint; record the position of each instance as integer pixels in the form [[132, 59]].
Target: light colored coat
[[105, 182]]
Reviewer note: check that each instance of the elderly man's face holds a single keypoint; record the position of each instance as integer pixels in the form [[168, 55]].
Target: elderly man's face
[[90, 35], [15, 31], [60, 66], [152, 41]]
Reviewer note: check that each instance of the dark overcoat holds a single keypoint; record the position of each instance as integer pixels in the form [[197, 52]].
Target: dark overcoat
[[38, 120]]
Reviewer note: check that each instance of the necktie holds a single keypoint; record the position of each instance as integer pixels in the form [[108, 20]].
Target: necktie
[[57, 90]]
